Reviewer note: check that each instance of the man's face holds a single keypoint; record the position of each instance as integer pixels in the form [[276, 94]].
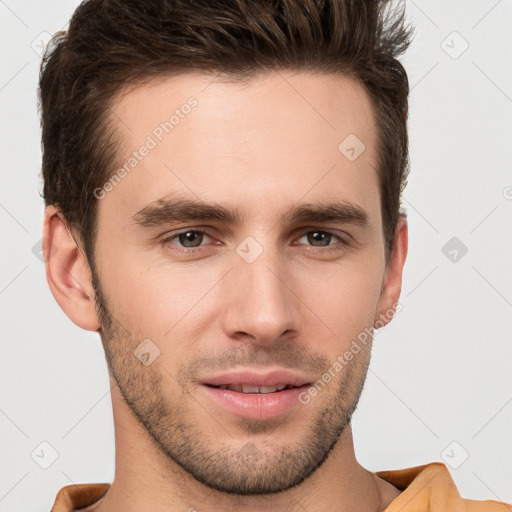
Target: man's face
[[259, 293]]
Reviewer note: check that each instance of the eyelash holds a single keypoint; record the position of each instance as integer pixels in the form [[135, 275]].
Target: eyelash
[[341, 245]]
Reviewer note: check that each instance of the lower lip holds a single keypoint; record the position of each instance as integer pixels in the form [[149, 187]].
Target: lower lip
[[256, 406]]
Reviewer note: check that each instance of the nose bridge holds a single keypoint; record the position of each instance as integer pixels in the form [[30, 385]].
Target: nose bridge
[[261, 305]]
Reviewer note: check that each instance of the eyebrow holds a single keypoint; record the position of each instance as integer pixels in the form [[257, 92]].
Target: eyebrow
[[170, 210]]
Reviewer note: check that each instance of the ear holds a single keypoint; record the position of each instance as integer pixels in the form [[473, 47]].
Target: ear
[[67, 272], [392, 285]]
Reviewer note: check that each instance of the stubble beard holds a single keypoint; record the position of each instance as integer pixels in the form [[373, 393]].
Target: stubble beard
[[261, 463]]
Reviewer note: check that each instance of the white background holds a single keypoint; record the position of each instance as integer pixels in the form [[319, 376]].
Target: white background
[[441, 372]]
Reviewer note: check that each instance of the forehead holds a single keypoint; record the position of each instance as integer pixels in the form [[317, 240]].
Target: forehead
[[273, 139]]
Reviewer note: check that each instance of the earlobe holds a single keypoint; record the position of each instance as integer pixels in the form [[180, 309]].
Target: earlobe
[[392, 287], [67, 272]]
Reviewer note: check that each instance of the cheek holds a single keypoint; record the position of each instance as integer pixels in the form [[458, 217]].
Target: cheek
[[347, 300], [151, 305], [159, 300]]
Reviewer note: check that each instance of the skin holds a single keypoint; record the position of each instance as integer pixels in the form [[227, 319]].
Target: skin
[[261, 147]]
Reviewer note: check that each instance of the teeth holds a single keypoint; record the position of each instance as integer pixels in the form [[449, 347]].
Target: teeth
[[250, 389], [267, 389], [255, 389]]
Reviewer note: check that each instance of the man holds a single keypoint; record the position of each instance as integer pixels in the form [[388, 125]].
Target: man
[[222, 182]]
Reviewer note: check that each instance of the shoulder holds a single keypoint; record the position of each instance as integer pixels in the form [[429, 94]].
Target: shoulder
[[77, 496], [430, 487]]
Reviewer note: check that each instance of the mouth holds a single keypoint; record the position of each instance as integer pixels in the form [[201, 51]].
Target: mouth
[[256, 395]]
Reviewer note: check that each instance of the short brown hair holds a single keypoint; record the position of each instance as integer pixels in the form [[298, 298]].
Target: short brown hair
[[114, 43]]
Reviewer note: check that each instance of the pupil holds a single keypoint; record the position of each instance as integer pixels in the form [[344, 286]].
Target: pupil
[[189, 237], [322, 234]]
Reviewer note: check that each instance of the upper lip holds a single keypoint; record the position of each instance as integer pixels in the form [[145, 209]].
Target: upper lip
[[254, 378]]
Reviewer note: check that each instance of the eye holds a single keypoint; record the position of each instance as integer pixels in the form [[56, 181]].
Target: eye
[[189, 239], [323, 238]]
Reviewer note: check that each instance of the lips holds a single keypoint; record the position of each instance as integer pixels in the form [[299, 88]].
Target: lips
[[256, 395]]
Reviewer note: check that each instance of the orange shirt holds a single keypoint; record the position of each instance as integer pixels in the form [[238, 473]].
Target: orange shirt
[[427, 488]]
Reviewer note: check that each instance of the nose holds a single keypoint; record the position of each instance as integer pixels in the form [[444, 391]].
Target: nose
[[261, 306]]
